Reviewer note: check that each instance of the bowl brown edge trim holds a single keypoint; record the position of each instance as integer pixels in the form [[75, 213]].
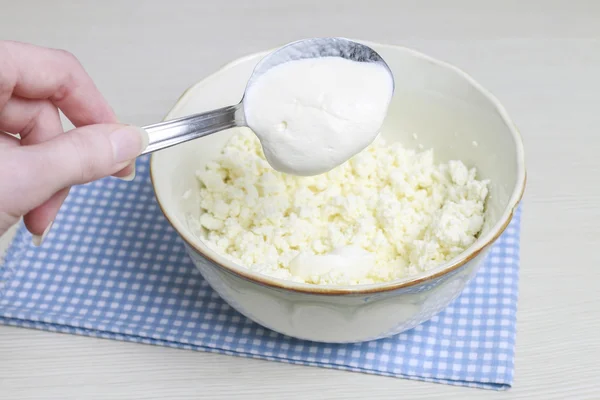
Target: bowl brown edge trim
[[345, 291]]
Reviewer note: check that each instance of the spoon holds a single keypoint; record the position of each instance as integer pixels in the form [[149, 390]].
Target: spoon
[[169, 133]]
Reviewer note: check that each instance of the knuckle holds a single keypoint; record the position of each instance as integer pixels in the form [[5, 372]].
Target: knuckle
[[73, 68], [63, 90]]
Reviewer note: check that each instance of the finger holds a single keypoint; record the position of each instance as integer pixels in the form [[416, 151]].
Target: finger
[[38, 220], [36, 121], [127, 173], [82, 155], [40, 73]]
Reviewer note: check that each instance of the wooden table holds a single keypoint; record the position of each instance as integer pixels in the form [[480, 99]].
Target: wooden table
[[541, 60]]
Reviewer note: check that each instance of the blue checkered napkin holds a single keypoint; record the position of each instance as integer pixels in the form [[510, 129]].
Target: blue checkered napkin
[[112, 267]]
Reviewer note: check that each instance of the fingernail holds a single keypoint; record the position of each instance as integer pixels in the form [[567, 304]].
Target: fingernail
[[37, 239], [131, 176], [128, 143]]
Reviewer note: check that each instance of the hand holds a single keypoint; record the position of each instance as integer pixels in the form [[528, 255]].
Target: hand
[[39, 162]]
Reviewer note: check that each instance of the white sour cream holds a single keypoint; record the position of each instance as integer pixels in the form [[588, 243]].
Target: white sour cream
[[312, 115], [344, 264]]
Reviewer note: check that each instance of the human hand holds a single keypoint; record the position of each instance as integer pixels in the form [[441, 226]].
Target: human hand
[[38, 168]]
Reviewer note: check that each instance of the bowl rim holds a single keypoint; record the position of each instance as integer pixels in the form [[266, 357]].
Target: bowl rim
[[479, 246]]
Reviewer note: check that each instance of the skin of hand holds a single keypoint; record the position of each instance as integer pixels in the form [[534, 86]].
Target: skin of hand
[[39, 162]]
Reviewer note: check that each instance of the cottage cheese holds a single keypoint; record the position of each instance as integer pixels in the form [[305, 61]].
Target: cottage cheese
[[387, 213], [313, 114]]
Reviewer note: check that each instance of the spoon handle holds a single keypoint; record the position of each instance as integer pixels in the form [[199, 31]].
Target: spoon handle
[[169, 133]]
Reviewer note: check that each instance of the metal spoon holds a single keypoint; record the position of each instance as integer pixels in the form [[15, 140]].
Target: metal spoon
[[169, 133]]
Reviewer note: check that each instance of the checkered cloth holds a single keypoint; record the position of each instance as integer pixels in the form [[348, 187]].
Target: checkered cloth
[[112, 267]]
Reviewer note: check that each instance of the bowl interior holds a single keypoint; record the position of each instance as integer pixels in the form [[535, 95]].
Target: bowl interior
[[434, 106]]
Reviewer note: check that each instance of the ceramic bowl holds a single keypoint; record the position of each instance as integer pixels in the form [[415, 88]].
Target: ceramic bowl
[[447, 110]]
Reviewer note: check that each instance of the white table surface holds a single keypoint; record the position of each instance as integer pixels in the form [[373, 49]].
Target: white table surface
[[541, 58]]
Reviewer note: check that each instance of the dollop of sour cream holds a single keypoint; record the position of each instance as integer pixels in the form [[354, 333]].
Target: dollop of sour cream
[[344, 264], [312, 115]]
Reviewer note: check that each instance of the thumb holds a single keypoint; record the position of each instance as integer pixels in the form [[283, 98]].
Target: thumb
[[79, 156]]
